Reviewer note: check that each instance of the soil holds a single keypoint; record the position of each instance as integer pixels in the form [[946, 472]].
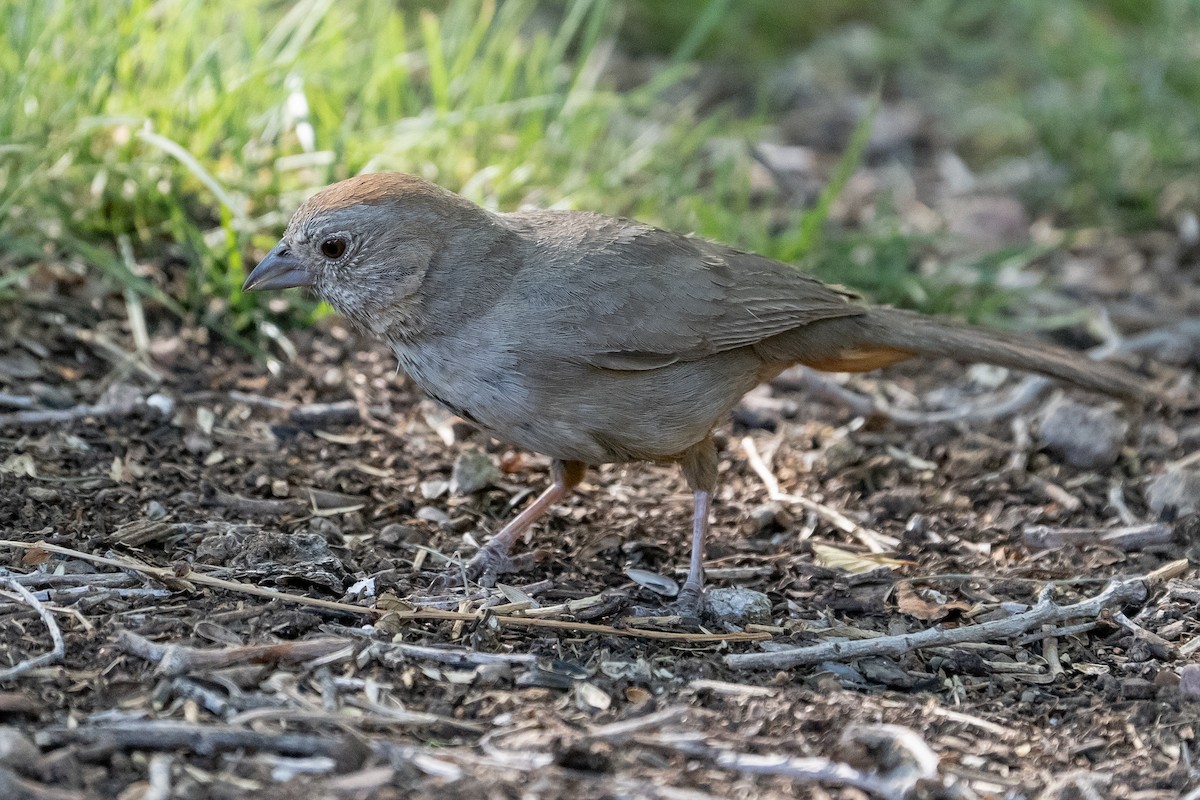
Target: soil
[[329, 480]]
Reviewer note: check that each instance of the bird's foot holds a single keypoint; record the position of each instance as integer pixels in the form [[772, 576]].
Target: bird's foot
[[689, 603], [483, 568], [687, 607]]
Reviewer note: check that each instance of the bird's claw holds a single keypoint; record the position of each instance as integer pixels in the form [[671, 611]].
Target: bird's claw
[[483, 569], [688, 606]]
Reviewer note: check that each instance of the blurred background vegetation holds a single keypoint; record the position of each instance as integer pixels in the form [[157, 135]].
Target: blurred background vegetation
[[154, 148]]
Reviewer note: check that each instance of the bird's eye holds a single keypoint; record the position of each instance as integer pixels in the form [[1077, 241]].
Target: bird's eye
[[333, 247]]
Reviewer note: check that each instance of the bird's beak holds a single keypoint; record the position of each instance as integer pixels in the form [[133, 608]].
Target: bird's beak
[[279, 270]]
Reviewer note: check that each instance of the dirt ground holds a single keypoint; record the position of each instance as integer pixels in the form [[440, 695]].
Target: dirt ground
[[331, 480]]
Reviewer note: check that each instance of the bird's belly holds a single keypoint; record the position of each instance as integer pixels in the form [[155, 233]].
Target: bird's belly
[[575, 412], [634, 415]]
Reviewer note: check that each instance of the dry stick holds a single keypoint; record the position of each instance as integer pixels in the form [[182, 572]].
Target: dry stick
[[1116, 499], [871, 539], [100, 410], [1132, 537], [455, 656], [1118, 592], [91, 580], [897, 784], [175, 659], [171, 578], [17, 400], [113, 352], [254, 506], [60, 647], [1150, 636], [584, 627], [347, 752], [622, 730], [13, 785]]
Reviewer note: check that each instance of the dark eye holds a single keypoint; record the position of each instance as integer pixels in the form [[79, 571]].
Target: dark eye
[[333, 247]]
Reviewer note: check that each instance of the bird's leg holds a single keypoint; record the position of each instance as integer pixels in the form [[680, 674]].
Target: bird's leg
[[492, 559], [691, 596], [700, 468]]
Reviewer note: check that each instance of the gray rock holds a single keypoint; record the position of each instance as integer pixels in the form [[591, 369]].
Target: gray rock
[[737, 606], [1082, 436], [474, 471], [1175, 493], [44, 494], [17, 750], [1189, 681], [987, 222]]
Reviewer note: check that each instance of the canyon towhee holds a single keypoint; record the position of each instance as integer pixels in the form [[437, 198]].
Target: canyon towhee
[[593, 339]]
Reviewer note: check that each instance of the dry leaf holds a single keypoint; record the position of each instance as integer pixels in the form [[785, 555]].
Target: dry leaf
[[20, 465], [854, 563], [926, 604]]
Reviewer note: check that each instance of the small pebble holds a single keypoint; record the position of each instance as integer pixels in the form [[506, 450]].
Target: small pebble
[[1174, 494], [1082, 436], [394, 533], [474, 471], [161, 403], [155, 510], [842, 454], [737, 606], [44, 494], [17, 750], [434, 515], [197, 443], [1189, 681], [770, 516]]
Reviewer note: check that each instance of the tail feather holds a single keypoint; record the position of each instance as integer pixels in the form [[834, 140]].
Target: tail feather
[[883, 336], [903, 330]]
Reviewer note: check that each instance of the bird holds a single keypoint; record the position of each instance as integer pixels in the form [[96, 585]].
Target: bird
[[594, 339]]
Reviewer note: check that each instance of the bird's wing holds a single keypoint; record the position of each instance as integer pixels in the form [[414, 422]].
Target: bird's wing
[[627, 296]]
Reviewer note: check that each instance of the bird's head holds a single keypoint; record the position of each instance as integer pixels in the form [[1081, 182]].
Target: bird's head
[[365, 245]]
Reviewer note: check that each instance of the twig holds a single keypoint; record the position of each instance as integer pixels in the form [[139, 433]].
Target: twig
[[1116, 499], [59, 649], [74, 593], [175, 580], [619, 731], [348, 752], [1168, 648], [581, 627], [95, 580], [254, 506], [384, 719], [177, 659], [17, 400], [113, 352], [154, 403], [1118, 592], [872, 540], [918, 764], [1059, 632], [390, 653], [1133, 537], [13, 785], [172, 578]]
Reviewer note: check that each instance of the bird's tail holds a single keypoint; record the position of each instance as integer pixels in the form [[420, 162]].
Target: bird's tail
[[884, 336]]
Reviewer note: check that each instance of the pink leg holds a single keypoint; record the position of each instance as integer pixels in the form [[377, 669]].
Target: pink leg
[[492, 559], [691, 596]]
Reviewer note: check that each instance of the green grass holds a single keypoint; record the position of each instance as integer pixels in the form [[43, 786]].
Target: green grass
[[1110, 90], [160, 144]]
